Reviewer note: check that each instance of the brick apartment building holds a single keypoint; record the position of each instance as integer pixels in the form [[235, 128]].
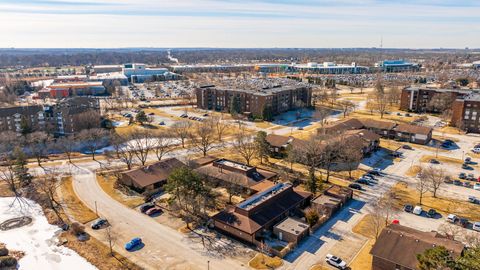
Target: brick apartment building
[[417, 99], [59, 119], [466, 113], [256, 102]]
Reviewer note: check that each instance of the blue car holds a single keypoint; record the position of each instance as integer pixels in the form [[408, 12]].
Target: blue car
[[133, 243]]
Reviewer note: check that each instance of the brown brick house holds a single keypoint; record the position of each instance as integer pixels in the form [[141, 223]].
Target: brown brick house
[[397, 247], [417, 99], [466, 113], [150, 177]]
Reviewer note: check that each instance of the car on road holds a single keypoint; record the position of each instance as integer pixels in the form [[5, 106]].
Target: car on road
[[417, 210], [408, 208], [355, 186], [133, 243], [476, 226], [154, 210], [144, 208], [335, 261], [468, 160], [462, 175], [434, 161], [431, 213], [406, 146], [99, 223], [476, 186], [452, 218]]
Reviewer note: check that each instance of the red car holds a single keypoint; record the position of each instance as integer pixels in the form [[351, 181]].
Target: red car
[[154, 210]]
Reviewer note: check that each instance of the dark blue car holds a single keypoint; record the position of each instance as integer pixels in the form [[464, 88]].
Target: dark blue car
[[133, 243]]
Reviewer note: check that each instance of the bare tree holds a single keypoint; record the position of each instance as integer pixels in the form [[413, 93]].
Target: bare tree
[[142, 142], [111, 238], [381, 102], [376, 220], [321, 114], [245, 146], [393, 95], [181, 130], [220, 127], [233, 186], [48, 184], [93, 139], [9, 141], [434, 177], [347, 106], [350, 154], [163, 145], [422, 186], [310, 152], [38, 145], [66, 145], [203, 137]]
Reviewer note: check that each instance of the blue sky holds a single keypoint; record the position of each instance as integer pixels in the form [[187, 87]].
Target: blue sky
[[240, 23]]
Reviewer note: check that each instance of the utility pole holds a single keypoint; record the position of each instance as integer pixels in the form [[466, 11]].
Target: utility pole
[[96, 210]]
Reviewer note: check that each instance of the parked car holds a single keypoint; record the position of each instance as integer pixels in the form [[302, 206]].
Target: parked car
[[466, 167], [463, 222], [468, 160], [434, 161], [467, 184], [431, 213], [473, 199], [476, 150], [408, 208], [452, 218], [154, 210], [399, 114], [417, 210], [476, 186], [448, 180], [408, 115], [335, 261], [161, 123], [375, 172], [368, 176], [363, 181], [406, 146], [457, 183], [471, 177], [462, 175], [99, 223], [144, 208], [355, 186], [476, 226], [396, 154], [133, 243]]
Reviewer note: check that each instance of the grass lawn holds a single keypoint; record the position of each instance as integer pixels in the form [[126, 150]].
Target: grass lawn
[[319, 267], [98, 254], [413, 171], [74, 206], [261, 261], [408, 195], [363, 260], [108, 185], [451, 130], [442, 159]]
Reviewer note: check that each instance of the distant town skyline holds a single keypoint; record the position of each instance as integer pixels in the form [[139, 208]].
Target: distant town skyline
[[239, 23]]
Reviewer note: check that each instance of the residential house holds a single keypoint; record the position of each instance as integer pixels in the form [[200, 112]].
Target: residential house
[[291, 230]]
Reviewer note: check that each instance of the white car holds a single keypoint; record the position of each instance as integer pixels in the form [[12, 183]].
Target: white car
[[417, 210], [476, 150], [452, 218], [476, 226], [335, 261], [476, 186]]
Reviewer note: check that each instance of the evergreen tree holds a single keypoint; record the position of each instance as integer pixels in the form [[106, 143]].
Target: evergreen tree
[[141, 117], [262, 145], [435, 258], [19, 168]]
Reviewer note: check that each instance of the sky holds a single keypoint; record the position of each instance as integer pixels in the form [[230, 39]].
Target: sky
[[239, 23]]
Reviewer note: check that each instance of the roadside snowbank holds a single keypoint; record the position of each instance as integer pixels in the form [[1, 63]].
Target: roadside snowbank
[[37, 240]]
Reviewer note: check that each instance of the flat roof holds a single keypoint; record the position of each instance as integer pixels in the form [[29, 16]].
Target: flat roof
[[292, 226], [263, 196]]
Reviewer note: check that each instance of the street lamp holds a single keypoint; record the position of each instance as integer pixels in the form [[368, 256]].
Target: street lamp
[[208, 265]]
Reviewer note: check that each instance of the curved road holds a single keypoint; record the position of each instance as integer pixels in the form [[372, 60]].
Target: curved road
[[165, 248]]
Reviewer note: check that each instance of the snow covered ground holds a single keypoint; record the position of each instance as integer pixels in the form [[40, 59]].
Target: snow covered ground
[[37, 240]]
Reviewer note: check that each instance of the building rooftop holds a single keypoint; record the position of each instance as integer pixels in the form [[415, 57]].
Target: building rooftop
[[292, 226], [258, 86], [263, 196]]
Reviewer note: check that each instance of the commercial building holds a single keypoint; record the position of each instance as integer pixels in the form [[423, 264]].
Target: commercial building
[[249, 219], [74, 88], [291, 230], [329, 68], [59, 119], [97, 69], [258, 101], [419, 99], [151, 177], [385, 129], [466, 112], [397, 247], [139, 73], [397, 66]]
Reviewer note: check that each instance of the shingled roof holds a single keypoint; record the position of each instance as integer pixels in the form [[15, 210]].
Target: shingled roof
[[154, 173], [400, 245]]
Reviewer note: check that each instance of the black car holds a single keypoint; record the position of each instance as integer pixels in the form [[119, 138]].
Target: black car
[[355, 186], [462, 175], [144, 208], [408, 208], [363, 181], [431, 213], [99, 223], [406, 146], [463, 222], [457, 183], [373, 172], [434, 161], [465, 166], [468, 160]]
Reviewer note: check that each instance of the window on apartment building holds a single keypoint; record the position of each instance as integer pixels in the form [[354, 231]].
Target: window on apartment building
[[469, 105]]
